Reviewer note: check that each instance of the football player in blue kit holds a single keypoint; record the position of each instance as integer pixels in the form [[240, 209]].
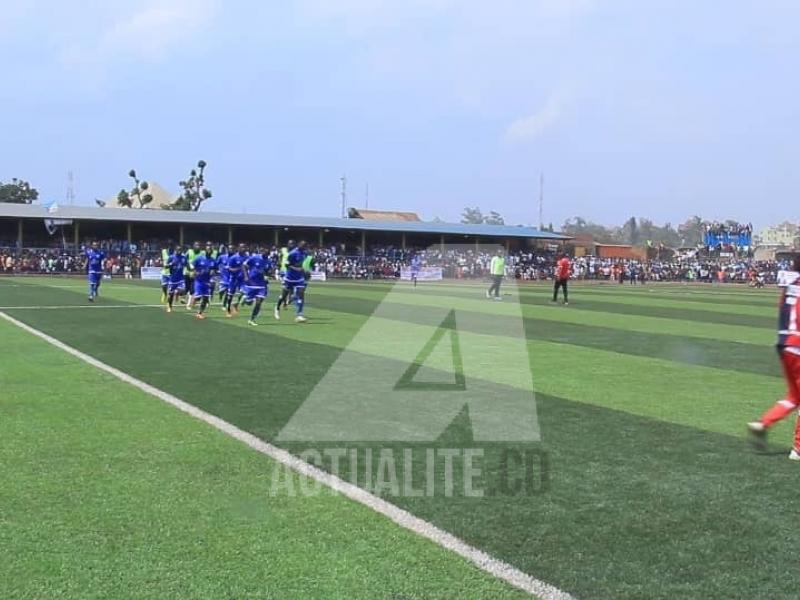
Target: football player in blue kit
[[235, 278], [294, 282], [255, 268], [177, 285], [94, 269], [203, 270]]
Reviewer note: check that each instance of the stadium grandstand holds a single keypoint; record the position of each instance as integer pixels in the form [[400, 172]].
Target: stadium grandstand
[[34, 226]]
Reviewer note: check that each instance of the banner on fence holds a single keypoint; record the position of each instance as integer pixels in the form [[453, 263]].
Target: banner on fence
[[151, 273], [425, 274], [319, 276]]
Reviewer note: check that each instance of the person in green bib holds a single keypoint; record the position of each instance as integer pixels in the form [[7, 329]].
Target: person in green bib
[[165, 252], [212, 254], [283, 267], [284, 258], [188, 272], [497, 269]]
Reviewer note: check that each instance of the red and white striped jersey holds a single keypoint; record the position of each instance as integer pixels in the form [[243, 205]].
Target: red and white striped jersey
[[789, 316]]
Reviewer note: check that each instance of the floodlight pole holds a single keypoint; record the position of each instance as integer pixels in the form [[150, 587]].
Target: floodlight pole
[[344, 196], [541, 201]]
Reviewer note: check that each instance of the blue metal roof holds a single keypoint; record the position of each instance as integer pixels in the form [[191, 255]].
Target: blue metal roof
[[127, 215]]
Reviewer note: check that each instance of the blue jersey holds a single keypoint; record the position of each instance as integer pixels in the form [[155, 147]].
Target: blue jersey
[[222, 266], [176, 264], [294, 265], [94, 261], [255, 268], [236, 265], [203, 266], [415, 265]]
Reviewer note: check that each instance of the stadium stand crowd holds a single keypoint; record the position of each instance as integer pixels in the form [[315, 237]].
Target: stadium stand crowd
[[386, 262]]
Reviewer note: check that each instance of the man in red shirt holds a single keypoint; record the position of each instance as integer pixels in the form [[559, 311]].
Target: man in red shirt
[[789, 350], [563, 271]]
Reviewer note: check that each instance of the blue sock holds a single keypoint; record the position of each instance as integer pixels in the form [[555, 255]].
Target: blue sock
[[298, 304], [91, 290]]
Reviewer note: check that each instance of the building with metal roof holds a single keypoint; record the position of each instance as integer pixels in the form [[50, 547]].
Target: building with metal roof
[[23, 225]]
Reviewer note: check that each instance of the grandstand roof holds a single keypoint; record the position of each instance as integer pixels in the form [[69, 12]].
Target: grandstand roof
[[128, 215], [383, 215]]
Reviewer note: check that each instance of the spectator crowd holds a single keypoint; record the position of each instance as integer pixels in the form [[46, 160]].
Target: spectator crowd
[[386, 262]]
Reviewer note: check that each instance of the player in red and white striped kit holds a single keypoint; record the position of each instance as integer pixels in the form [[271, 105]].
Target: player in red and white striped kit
[[789, 351]]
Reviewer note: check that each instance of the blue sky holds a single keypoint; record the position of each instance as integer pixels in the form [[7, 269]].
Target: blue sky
[[661, 108]]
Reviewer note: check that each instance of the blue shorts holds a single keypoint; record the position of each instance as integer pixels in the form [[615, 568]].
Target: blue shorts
[[414, 274], [94, 277], [294, 284], [252, 292], [234, 285], [202, 288], [176, 286]]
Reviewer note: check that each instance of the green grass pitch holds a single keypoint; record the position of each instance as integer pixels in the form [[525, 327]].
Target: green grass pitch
[[642, 395]]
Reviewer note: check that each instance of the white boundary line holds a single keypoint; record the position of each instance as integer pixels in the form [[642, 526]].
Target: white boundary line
[[71, 306], [482, 560]]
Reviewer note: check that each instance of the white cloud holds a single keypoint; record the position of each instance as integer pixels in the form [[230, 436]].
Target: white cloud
[[148, 33], [534, 125]]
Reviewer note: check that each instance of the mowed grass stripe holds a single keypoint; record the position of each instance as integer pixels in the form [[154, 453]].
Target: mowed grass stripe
[[720, 354], [613, 375], [574, 314], [586, 296], [734, 296], [148, 499], [626, 492], [652, 509]]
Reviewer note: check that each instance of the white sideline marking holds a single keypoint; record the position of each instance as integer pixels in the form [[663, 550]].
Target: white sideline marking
[[405, 519], [68, 306]]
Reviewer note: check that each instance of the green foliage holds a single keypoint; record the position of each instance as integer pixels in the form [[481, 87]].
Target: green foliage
[[474, 216], [18, 192], [194, 190], [494, 218], [691, 231], [641, 232], [137, 197], [578, 226]]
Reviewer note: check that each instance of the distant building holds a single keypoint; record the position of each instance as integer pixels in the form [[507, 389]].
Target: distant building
[[782, 235], [161, 198], [383, 215]]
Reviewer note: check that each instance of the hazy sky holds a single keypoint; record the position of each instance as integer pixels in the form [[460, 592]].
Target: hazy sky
[[658, 108]]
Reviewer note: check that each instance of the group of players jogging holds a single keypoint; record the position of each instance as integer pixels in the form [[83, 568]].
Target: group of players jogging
[[237, 275]]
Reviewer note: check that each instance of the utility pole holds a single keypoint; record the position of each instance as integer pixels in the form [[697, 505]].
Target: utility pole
[[344, 196], [70, 188], [541, 201]]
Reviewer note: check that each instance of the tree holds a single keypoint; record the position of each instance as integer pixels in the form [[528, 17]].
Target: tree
[[630, 232], [578, 226], [494, 218], [18, 192], [472, 216], [138, 193], [194, 190], [691, 231]]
